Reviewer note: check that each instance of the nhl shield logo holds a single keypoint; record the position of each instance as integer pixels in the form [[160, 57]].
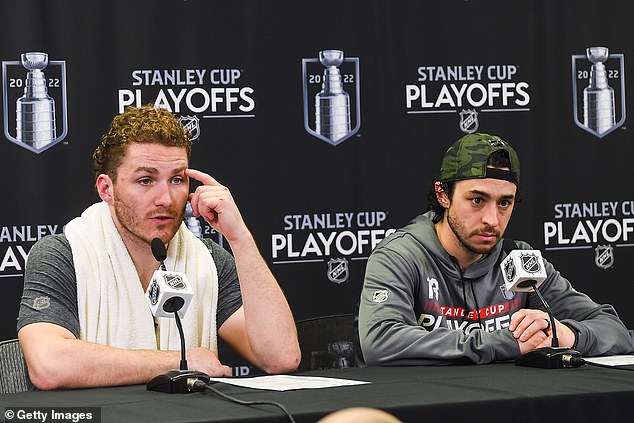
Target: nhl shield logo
[[192, 125], [41, 303], [598, 90], [175, 281], [338, 270], [603, 256], [380, 296], [509, 270], [530, 263], [469, 121], [153, 292], [34, 100], [332, 105]]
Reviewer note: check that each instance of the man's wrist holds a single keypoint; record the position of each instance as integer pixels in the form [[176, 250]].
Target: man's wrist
[[575, 333]]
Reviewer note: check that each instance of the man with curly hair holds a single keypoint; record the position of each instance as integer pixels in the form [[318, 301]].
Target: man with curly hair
[[83, 317]]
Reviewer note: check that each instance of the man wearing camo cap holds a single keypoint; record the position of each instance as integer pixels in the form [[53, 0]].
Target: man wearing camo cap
[[433, 291]]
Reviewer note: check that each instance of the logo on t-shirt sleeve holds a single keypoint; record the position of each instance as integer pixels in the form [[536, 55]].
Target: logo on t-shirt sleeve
[[40, 303], [379, 296]]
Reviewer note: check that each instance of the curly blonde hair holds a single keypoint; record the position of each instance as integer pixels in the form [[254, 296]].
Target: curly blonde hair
[[145, 124]]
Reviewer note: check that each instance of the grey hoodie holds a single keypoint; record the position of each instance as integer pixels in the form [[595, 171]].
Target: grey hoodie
[[418, 307]]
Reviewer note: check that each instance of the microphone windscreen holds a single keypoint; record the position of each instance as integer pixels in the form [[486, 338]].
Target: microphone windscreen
[[158, 250], [522, 269], [169, 292]]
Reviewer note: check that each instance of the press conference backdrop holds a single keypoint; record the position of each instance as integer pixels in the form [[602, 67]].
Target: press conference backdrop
[[328, 121]]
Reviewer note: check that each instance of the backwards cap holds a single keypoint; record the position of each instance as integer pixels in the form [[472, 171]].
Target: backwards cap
[[467, 159]]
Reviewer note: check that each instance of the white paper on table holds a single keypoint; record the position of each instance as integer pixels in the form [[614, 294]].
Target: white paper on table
[[612, 360], [287, 382]]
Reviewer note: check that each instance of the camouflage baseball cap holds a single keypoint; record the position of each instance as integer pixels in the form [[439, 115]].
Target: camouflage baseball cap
[[467, 159]]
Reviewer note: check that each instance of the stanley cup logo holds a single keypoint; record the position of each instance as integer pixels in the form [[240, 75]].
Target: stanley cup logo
[[192, 222], [600, 104], [35, 116], [331, 110], [598, 97], [35, 110], [332, 103]]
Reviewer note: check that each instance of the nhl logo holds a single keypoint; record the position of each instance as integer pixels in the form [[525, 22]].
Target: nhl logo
[[192, 125], [175, 281], [338, 270], [41, 303], [604, 257], [509, 270], [153, 292], [380, 296], [530, 263], [469, 121], [496, 143]]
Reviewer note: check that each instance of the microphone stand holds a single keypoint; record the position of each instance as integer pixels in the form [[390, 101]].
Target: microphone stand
[[176, 381], [553, 357], [179, 325], [555, 341]]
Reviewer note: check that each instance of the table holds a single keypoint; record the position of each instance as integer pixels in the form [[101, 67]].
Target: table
[[486, 393]]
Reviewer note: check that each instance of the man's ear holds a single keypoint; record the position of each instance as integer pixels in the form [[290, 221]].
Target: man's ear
[[104, 187], [441, 195]]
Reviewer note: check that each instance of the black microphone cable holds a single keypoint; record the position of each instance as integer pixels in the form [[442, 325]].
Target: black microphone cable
[[195, 385]]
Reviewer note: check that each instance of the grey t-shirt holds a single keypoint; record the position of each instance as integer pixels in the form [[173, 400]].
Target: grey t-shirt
[[50, 285]]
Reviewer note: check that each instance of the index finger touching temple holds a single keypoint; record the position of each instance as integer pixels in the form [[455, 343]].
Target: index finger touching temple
[[202, 177]]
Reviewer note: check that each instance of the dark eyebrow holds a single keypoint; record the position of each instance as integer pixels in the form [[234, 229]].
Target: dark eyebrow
[[487, 195], [145, 169], [153, 170]]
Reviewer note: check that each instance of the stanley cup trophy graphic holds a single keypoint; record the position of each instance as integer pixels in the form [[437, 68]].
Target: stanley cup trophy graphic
[[192, 222], [332, 103], [35, 110], [598, 97]]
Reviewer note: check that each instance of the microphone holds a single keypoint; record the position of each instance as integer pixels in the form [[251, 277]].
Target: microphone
[[159, 252], [524, 271], [169, 293]]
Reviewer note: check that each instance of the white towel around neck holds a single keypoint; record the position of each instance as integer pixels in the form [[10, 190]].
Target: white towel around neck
[[112, 306]]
